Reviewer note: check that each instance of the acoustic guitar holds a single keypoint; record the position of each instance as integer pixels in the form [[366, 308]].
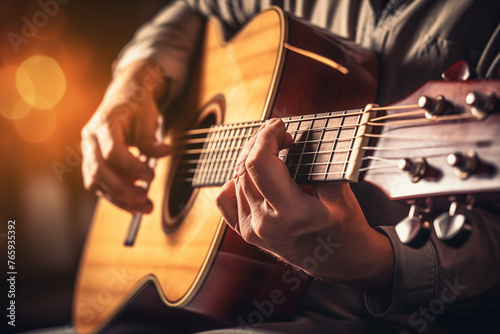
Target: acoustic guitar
[[438, 145]]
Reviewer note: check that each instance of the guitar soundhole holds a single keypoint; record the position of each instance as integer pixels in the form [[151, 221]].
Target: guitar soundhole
[[180, 193]]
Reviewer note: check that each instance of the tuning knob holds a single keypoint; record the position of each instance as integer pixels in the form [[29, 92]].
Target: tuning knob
[[464, 164], [452, 227], [411, 230], [434, 106], [481, 104], [418, 168]]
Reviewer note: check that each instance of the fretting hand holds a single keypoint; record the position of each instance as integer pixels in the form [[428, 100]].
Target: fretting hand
[[270, 210]]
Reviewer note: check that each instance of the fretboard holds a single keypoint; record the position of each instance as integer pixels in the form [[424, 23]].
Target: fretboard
[[326, 147]]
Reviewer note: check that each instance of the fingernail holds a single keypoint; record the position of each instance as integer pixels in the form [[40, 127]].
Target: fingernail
[[272, 121]]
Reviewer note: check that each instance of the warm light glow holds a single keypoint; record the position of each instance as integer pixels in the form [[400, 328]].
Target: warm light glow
[[11, 106], [36, 126], [41, 82]]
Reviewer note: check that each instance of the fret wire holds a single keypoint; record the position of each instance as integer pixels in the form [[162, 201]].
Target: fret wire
[[226, 156], [236, 153], [201, 158], [220, 154], [213, 156], [308, 133], [287, 125], [205, 167], [334, 145], [300, 156], [294, 137], [215, 161], [230, 154], [320, 141]]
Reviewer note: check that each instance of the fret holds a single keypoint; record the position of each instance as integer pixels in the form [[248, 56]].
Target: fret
[[228, 155], [330, 168], [344, 145], [283, 154], [316, 166], [235, 153], [221, 150], [203, 159], [295, 149]]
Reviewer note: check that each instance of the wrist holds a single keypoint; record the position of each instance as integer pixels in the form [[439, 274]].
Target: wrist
[[143, 79]]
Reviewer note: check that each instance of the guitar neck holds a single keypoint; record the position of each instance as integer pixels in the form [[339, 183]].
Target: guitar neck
[[325, 147]]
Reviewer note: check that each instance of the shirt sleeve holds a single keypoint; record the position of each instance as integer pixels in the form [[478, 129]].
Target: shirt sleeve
[[437, 275], [168, 40]]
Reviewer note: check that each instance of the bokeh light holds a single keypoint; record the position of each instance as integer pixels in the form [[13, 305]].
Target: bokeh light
[[36, 126], [40, 81]]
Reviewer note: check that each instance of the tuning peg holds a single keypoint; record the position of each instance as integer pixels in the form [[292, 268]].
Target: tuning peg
[[451, 227], [411, 230], [434, 107], [481, 104]]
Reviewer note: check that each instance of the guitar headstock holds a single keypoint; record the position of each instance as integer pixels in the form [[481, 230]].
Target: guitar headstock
[[440, 145]]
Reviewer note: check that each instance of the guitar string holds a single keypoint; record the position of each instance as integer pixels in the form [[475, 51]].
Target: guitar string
[[452, 140], [210, 140], [285, 120], [331, 173], [449, 138], [391, 159], [399, 115], [331, 128]]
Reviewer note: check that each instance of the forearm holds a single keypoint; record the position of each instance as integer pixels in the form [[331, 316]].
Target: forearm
[[168, 41]]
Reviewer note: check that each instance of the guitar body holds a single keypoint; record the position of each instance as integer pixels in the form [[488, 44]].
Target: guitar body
[[183, 246]]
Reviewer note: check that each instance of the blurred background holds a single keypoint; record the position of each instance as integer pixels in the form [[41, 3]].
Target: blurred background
[[55, 61]]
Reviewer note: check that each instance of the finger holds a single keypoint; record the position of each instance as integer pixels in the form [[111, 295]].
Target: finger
[[227, 204], [135, 207], [148, 134], [253, 222], [243, 227], [115, 152], [247, 147], [98, 176], [269, 174]]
